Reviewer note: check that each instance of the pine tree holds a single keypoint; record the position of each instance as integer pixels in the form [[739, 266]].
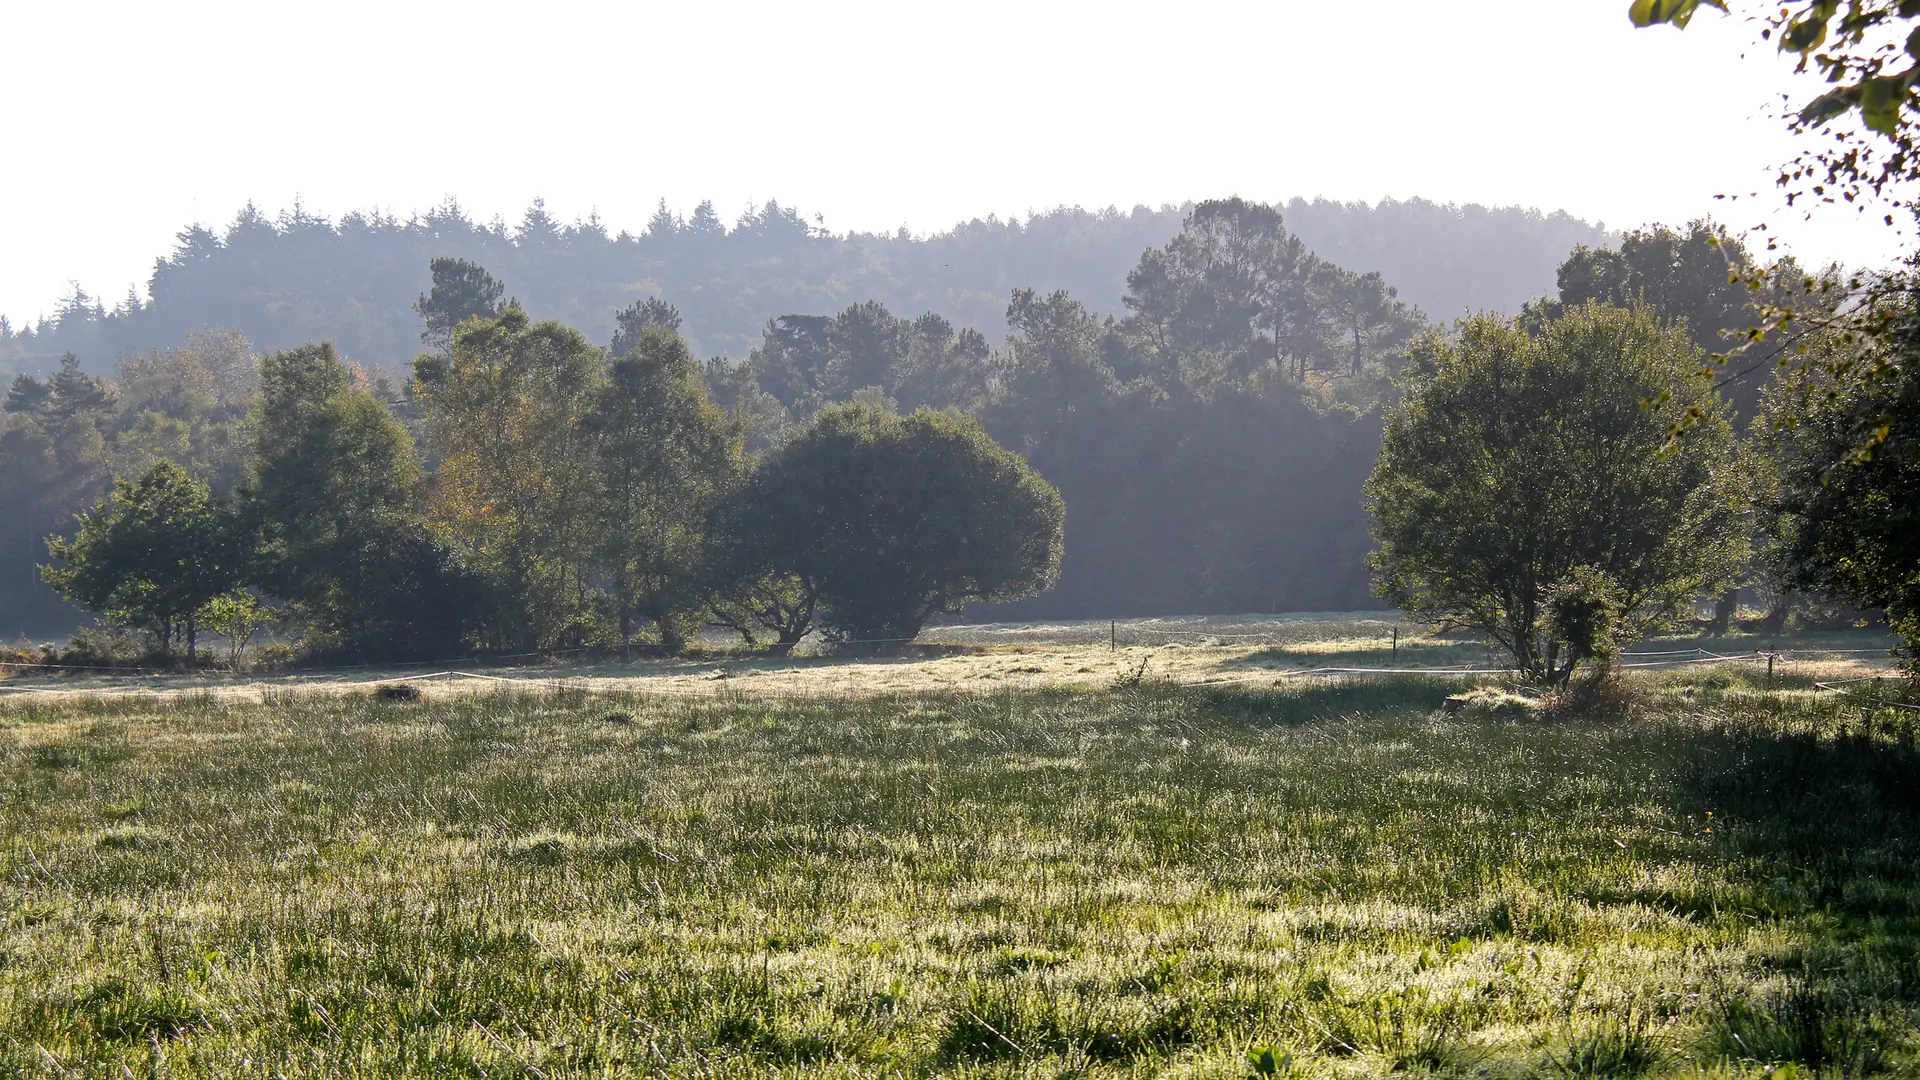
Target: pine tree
[[461, 290], [630, 322], [663, 225]]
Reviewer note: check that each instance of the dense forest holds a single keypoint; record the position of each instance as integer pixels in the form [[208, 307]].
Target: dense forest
[[299, 278], [1210, 436]]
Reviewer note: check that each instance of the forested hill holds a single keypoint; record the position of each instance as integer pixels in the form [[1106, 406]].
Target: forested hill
[[301, 278]]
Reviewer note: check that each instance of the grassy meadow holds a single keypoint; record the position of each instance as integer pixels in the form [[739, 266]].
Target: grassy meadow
[[1322, 879], [1259, 651]]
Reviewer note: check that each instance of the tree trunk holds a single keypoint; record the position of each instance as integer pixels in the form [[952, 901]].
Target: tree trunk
[[1777, 613], [796, 623], [673, 636], [1723, 611]]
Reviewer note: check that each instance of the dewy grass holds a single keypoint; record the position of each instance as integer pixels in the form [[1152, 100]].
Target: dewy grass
[[996, 658], [1334, 879]]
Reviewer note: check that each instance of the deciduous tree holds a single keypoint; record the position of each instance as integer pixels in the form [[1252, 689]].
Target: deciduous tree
[[1867, 55], [753, 584], [896, 519], [663, 456], [508, 412], [152, 555], [1517, 459], [332, 491], [1845, 516]]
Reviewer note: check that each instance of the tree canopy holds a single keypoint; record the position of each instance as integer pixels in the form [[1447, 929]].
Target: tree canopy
[[1845, 515], [332, 491], [297, 278], [1696, 276], [900, 518], [533, 489], [66, 438], [1519, 461], [156, 552], [507, 413], [461, 290], [664, 456], [1236, 293]]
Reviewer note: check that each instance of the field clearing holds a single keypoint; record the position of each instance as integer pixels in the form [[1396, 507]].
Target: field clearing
[[1317, 879], [1251, 650]]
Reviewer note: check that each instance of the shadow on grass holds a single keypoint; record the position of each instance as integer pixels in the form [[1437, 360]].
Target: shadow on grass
[[1816, 813], [1829, 821], [1816, 803], [1315, 700]]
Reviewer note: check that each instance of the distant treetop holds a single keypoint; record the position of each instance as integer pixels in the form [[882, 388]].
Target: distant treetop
[[299, 277]]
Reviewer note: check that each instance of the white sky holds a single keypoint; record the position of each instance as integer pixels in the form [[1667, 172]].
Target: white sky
[[127, 121]]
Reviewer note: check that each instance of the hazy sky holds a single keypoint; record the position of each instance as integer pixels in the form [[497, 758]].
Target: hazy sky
[[128, 121]]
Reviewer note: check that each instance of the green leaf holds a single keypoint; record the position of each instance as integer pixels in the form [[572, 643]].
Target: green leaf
[[1880, 102], [1829, 105], [1267, 1061], [1678, 12], [1809, 31]]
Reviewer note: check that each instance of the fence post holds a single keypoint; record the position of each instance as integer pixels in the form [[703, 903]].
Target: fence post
[[1396, 645], [1113, 635], [1769, 671]]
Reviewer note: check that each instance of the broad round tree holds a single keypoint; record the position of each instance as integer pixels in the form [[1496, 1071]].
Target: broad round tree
[[1522, 459], [152, 555], [897, 518]]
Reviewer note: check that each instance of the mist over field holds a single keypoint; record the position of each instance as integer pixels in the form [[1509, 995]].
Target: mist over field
[[793, 318], [296, 277], [1224, 542]]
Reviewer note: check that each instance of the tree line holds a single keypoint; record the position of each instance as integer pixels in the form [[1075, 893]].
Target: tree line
[[577, 497], [1244, 364], [297, 277], [1213, 442]]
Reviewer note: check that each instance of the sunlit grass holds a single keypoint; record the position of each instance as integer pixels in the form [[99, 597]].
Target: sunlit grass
[[1337, 876], [1256, 650]]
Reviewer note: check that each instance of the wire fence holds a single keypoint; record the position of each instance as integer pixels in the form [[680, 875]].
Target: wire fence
[[1877, 699]]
